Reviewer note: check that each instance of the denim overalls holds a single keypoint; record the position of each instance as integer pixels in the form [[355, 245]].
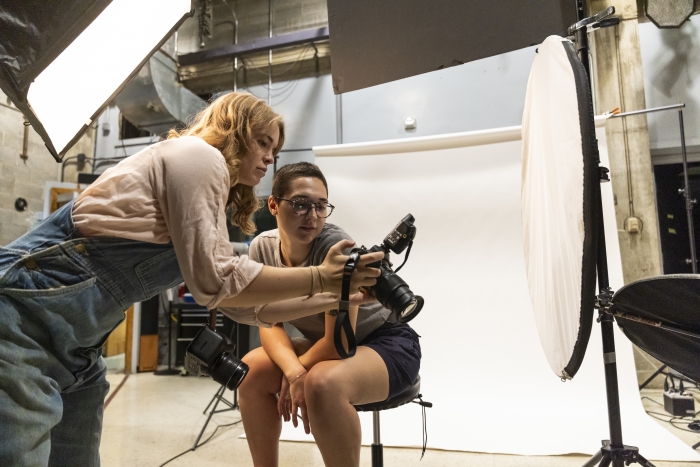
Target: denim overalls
[[60, 297]]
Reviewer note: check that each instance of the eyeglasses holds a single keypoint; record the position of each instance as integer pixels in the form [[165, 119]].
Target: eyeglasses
[[303, 206]]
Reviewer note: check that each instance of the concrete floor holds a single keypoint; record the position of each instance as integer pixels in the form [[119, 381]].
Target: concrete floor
[[151, 419]]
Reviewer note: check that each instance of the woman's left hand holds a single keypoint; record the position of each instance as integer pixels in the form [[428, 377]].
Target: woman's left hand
[[362, 297], [296, 389], [284, 403]]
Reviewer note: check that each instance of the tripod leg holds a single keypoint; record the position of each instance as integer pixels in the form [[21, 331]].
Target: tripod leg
[[593, 461], [644, 462], [213, 409], [656, 373], [218, 395], [607, 459]]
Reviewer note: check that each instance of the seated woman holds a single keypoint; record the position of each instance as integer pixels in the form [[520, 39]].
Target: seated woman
[[307, 373]]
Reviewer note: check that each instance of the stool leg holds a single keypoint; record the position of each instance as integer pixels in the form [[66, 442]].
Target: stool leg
[[377, 449]]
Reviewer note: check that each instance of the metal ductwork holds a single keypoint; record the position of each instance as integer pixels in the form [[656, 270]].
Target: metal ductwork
[[154, 100]]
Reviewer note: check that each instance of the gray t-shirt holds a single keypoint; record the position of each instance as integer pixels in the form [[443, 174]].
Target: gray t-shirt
[[265, 249]]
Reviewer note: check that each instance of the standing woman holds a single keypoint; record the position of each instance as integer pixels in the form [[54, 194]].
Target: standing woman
[[156, 218], [308, 373]]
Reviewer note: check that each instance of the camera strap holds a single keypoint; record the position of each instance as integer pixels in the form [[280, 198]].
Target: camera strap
[[342, 321]]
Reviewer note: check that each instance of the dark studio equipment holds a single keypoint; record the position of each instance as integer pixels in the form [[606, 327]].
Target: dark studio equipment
[[210, 354], [377, 42], [565, 239], [62, 62], [391, 291], [668, 14], [661, 315], [677, 402]]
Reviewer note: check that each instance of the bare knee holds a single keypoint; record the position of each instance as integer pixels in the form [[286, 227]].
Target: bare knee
[[263, 375], [322, 386]]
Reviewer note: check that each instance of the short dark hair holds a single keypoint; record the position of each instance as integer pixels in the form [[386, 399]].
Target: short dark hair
[[290, 172]]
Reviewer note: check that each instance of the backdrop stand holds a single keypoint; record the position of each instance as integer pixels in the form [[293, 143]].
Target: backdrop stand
[[613, 451]]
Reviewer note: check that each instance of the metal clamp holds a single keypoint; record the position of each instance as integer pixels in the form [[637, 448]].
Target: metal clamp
[[603, 302]]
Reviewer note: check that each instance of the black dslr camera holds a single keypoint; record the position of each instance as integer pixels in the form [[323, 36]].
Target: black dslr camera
[[391, 291], [209, 353]]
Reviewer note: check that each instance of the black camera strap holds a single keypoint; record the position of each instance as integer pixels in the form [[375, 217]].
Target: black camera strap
[[342, 321]]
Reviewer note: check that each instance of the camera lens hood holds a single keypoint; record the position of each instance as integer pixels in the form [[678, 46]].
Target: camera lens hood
[[229, 371], [393, 293]]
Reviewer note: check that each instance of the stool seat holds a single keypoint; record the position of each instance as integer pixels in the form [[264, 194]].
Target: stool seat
[[398, 400]]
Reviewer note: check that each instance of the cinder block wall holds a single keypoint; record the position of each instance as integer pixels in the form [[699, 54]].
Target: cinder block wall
[[27, 178]]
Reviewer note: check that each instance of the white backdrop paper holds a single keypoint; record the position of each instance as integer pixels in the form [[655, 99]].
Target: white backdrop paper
[[483, 366]]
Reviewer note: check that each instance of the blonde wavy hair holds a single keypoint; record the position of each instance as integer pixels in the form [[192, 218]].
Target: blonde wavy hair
[[229, 124]]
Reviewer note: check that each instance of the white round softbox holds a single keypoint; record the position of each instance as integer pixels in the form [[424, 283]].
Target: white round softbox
[[559, 183]]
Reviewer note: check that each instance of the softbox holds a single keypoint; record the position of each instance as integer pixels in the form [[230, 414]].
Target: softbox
[[63, 61], [374, 42], [661, 315], [559, 179]]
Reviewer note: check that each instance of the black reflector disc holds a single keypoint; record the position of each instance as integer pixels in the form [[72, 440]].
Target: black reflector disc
[[667, 302], [559, 183]]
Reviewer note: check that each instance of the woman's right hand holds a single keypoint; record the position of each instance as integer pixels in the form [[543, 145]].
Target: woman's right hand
[[333, 266]]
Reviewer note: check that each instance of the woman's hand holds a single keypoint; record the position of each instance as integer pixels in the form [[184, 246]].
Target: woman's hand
[[296, 389], [284, 403], [362, 298], [332, 268]]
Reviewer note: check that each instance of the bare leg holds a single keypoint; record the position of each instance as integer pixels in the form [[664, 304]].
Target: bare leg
[[257, 397], [331, 390]]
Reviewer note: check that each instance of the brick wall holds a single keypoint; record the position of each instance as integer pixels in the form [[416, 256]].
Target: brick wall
[[27, 178]]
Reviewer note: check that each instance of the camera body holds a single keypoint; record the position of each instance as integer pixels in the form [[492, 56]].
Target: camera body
[[391, 291], [209, 354]]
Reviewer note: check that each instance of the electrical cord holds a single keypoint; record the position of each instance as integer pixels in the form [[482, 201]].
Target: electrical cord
[[652, 400], [673, 421], [200, 444]]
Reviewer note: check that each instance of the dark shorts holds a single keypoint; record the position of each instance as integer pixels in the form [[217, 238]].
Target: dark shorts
[[398, 346]]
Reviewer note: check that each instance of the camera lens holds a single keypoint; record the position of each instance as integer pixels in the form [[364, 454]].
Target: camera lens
[[228, 371], [394, 294], [410, 312]]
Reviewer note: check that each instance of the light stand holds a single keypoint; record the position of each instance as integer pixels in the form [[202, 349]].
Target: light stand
[[219, 395], [689, 201], [613, 452], [689, 205]]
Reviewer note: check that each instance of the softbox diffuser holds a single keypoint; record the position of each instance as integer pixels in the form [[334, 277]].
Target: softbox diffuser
[[374, 42], [661, 315], [559, 179], [63, 61]]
